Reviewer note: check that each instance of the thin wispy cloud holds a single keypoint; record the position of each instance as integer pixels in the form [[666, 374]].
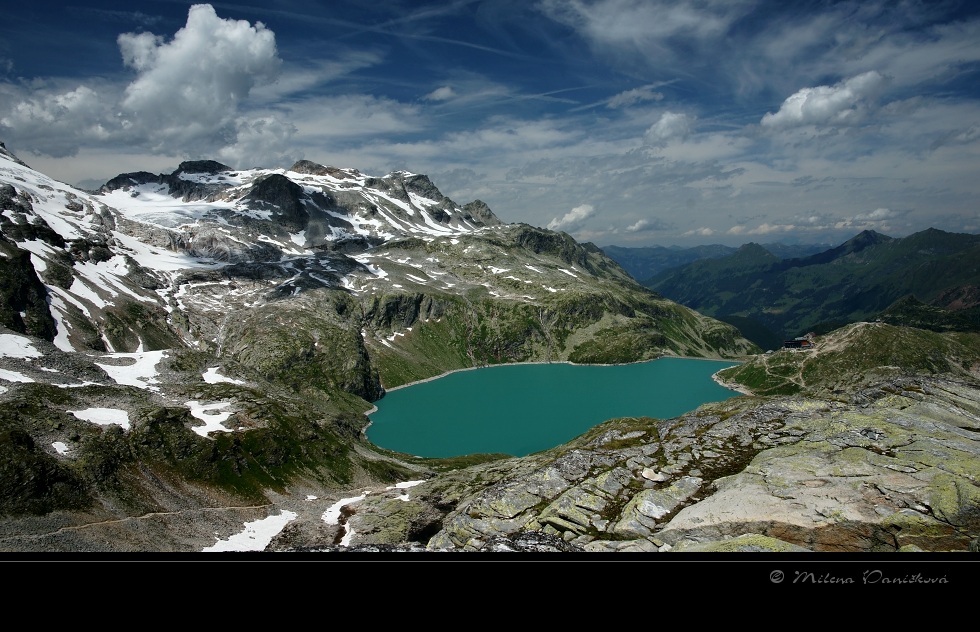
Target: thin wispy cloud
[[634, 96], [442, 93]]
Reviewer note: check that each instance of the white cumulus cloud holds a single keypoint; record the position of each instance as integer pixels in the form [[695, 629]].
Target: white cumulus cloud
[[670, 125], [703, 231], [191, 87], [879, 214], [259, 141], [646, 225], [58, 119], [186, 97], [842, 103], [880, 219], [572, 219], [763, 229]]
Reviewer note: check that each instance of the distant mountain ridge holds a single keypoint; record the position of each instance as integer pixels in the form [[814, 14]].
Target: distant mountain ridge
[[646, 262], [864, 239], [858, 280]]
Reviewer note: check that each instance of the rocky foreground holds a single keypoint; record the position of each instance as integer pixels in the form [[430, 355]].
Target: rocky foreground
[[889, 466], [892, 469]]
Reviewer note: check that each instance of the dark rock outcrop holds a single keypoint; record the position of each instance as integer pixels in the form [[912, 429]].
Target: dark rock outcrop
[[23, 296]]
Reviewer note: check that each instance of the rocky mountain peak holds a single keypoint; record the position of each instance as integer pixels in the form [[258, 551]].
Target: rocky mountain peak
[[863, 240], [9, 156], [316, 169], [210, 167], [283, 197], [478, 212]]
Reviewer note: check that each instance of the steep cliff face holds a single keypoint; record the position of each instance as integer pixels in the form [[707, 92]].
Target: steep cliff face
[[22, 294]]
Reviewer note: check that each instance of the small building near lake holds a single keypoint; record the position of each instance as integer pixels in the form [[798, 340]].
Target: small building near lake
[[800, 342]]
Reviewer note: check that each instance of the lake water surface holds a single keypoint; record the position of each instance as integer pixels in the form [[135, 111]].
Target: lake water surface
[[518, 409]]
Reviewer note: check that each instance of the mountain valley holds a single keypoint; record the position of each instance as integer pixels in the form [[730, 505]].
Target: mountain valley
[[772, 298], [185, 353]]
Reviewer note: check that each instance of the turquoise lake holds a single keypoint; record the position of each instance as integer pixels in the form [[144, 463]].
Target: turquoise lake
[[518, 409]]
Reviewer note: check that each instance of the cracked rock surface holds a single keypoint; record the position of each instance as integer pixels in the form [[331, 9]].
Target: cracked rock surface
[[894, 469]]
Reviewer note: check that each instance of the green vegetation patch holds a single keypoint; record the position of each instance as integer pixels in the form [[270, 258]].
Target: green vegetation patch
[[128, 325], [619, 345]]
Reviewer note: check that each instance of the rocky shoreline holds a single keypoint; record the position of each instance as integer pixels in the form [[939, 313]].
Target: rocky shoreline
[[891, 470]]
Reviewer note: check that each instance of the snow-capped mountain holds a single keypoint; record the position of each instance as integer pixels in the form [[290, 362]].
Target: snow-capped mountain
[[153, 238], [157, 260], [289, 211]]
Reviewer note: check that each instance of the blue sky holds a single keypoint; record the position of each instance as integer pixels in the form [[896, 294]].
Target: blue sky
[[626, 122]]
